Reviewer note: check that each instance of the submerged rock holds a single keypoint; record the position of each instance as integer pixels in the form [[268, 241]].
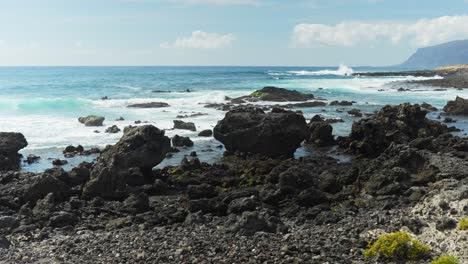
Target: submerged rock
[[457, 107], [92, 120], [251, 130], [10, 144], [149, 105], [139, 148]]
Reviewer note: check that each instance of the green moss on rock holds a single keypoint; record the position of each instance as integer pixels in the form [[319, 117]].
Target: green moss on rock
[[398, 245]]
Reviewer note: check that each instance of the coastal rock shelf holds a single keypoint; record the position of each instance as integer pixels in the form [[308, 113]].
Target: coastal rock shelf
[[255, 203]]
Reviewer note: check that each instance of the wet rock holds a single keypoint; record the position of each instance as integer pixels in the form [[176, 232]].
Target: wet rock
[[113, 129], [92, 120], [140, 147], [397, 124], [278, 133], [31, 158], [10, 144], [59, 162], [428, 107], [191, 115], [149, 105], [178, 141], [320, 132], [206, 133], [178, 124], [120, 119], [275, 94], [342, 103], [457, 107], [449, 120], [355, 112]]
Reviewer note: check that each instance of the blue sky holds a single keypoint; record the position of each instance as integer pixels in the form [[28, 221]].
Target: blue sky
[[224, 32]]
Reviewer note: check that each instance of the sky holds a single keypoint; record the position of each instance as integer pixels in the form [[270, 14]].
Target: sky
[[224, 32]]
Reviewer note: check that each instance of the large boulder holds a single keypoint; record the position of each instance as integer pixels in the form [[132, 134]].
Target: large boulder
[[275, 94], [91, 120], [140, 148], [178, 124], [320, 132], [392, 124], [10, 144], [457, 107], [251, 130]]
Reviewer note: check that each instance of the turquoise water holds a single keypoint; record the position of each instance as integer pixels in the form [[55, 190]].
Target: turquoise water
[[44, 103]]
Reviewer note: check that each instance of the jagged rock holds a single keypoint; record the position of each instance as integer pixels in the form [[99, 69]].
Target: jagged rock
[[137, 203], [457, 107], [149, 105], [178, 141], [10, 144], [62, 219], [278, 133], [31, 158], [201, 191], [251, 222], [355, 112], [320, 132], [399, 124], [92, 120], [178, 124], [342, 103], [140, 147], [40, 186], [428, 107], [79, 174], [113, 129]]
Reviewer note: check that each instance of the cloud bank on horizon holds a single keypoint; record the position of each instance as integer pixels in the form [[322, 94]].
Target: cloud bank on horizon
[[419, 33], [202, 40]]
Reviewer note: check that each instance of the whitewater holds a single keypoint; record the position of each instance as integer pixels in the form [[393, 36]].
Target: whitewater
[[44, 103]]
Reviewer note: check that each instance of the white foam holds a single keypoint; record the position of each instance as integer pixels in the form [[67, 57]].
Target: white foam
[[342, 70]]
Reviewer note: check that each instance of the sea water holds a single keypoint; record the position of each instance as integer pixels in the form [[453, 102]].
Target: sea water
[[44, 103]]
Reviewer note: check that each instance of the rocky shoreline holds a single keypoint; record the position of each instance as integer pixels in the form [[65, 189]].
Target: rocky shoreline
[[451, 78], [258, 204]]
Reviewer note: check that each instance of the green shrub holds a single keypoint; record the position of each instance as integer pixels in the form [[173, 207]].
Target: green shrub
[[463, 225], [398, 245], [446, 260]]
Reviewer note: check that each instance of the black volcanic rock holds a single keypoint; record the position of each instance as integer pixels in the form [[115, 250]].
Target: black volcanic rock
[[178, 141], [274, 94], [149, 105], [393, 124], [10, 144], [251, 130], [320, 132], [457, 107], [140, 148], [92, 120], [178, 124]]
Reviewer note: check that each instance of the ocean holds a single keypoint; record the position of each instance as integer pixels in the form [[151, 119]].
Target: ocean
[[44, 103]]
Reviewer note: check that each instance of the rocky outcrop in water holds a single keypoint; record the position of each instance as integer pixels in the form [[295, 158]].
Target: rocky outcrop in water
[[457, 107], [178, 124], [136, 153], [274, 94], [398, 124], [321, 132], [149, 105], [10, 144], [251, 130], [92, 120], [178, 141]]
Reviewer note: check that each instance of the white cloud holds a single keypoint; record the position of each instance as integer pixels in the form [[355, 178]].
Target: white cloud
[[202, 40], [217, 2], [419, 33]]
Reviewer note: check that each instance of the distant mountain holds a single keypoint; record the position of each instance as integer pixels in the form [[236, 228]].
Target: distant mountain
[[451, 53]]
